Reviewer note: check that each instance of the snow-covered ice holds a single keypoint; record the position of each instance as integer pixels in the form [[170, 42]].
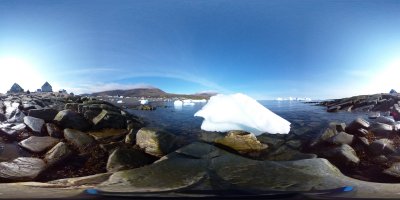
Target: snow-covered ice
[[178, 103], [144, 101], [240, 112], [120, 101], [188, 102]]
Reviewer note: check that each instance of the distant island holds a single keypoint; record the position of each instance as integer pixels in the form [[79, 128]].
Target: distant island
[[150, 93]]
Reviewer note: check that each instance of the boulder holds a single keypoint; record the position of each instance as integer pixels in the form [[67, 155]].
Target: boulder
[[323, 137], [380, 160], [130, 138], [286, 153], [16, 116], [3, 117], [374, 115], [342, 155], [71, 106], [124, 158], [79, 139], [73, 120], [242, 142], [108, 133], [38, 144], [382, 130], [271, 140], [295, 144], [382, 146], [342, 138], [21, 169], [35, 124], [54, 131], [363, 140], [57, 154], [109, 119], [393, 170], [357, 124], [338, 126], [19, 127], [385, 120], [155, 141], [46, 114]]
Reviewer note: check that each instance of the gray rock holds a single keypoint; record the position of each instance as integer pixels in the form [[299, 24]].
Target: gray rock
[[130, 138], [73, 120], [385, 120], [338, 126], [364, 141], [21, 169], [110, 147], [38, 144], [71, 106], [3, 117], [16, 116], [285, 153], [57, 154], [19, 127], [295, 144], [155, 141], [54, 131], [382, 146], [343, 154], [79, 139], [45, 114], [357, 124], [124, 158], [35, 124], [394, 170], [323, 137], [113, 134], [342, 138], [381, 159], [242, 142], [109, 119], [382, 130], [271, 140], [374, 115]]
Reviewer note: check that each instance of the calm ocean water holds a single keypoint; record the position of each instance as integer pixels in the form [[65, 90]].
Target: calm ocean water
[[306, 119]]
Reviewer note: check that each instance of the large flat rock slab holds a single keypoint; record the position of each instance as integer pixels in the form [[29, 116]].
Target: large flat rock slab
[[38, 144], [21, 169]]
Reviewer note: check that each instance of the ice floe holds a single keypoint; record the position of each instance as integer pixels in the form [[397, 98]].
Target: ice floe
[[240, 112]]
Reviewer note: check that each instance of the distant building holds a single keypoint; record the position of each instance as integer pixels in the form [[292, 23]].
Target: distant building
[[393, 91], [15, 89], [47, 87], [62, 91]]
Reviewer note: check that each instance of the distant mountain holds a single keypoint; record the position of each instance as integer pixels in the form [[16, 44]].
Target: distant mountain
[[150, 93]]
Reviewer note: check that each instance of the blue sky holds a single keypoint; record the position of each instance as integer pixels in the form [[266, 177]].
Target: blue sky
[[266, 49]]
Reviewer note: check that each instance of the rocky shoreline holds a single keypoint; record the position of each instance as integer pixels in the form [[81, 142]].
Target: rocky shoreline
[[72, 142]]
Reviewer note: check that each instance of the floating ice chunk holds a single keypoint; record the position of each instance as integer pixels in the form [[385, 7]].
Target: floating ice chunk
[[178, 103], [144, 101], [120, 101], [240, 112], [199, 101], [188, 102]]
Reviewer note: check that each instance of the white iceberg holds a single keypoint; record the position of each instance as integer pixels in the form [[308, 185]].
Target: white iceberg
[[178, 103], [188, 102], [199, 100], [240, 112], [144, 101]]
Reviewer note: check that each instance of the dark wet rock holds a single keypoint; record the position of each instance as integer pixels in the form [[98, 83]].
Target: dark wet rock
[[155, 141], [130, 138], [342, 138], [333, 108], [110, 147], [295, 144], [124, 158], [8, 132], [343, 154], [109, 119], [394, 170], [242, 142], [45, 114], [360, 132], [362, 140], [71, 106], [79, 139], [270, 140], [90, 115], [286, 153], [38, 144], [3, 117], [385, 120], [381, 159], [338, 126], [382, 130], [395, 112], [57, 154], [73, 120], [323, 137], [54, 131], [108, 133], [21, 169], [356, 125], [35, 124], [382, 146]]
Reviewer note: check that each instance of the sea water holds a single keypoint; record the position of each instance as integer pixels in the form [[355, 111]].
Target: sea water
[[305, 118]]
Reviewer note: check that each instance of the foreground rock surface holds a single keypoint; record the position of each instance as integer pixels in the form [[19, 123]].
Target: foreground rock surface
[[21, 169], [156, 142]]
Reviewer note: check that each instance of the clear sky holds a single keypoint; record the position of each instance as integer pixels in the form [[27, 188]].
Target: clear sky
[[266, 49]]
